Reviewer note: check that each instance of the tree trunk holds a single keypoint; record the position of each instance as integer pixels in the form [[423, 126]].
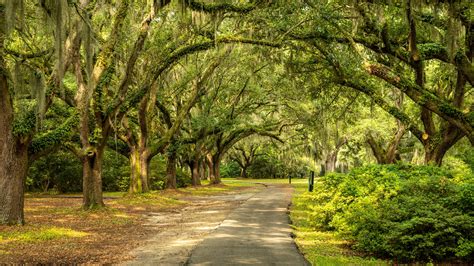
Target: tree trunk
[[434, 153], [92, 178], [210, 168], [145, 176], [214, 161], [202, 170], [13, 153], [377, 151], [139, 171], [243, 172], [171, 171], [195, 175], [450, 135], [13, 169], [330, 163], [331, 159], [386, 155], [216, 171]]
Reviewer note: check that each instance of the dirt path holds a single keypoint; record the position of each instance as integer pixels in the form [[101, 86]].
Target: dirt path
[[256, 233], [180, 232], [245, 228]]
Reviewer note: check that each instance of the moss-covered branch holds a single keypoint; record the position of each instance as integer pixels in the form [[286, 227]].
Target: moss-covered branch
[[24, 55], [367, 89], [24, 123], [132, 60], [49, 140], [105, 57], [174, 57], [202, 46], [219, 7], [425, 98]]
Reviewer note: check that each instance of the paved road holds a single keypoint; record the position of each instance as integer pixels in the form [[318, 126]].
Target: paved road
[[180, 232], [256, 233]]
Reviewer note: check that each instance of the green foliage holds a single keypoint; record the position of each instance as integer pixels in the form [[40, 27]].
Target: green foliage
[[55, 137], [25, 123], [115, 173], [468, 158], [271, 166], [183, 179], [411, 213], [60, 171], [230, 169]]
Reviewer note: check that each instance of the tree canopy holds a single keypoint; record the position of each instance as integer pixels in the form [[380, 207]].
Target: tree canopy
[[182, 91]]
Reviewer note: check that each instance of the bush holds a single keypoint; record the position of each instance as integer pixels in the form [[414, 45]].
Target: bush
[[115, 172], [183, 179], [230, 169], [412, 213], [60, 171]]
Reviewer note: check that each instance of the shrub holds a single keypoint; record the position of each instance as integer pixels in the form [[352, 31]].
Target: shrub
[[183, 179], [115, 172], [60, 171], [412, 213], [230, 169]]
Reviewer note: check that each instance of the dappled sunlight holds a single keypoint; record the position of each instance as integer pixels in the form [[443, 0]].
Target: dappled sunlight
[[183, 242], [206, 228], [35, 234], [256, 233], [210, 212]]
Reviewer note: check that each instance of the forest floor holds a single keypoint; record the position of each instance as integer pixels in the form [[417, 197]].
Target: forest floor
[[58, 231]]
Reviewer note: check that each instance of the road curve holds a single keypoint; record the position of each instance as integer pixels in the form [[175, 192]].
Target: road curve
[[256, 233]]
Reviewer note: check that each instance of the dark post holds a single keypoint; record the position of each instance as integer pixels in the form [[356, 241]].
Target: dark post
[[311, 182], [289, 179]]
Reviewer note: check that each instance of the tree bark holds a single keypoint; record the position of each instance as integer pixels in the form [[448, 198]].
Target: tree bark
[[331, 158], [13, 169], [171, 171], [435, 152], [214, 162], [386, 155], [208, 164], [216, 165], [195, 175], [202, 170], [139, 171], [243, 172], [330, 163], [13, 150], [92, 178]]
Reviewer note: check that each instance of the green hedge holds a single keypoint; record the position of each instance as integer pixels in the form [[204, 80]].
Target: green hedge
[[410, 213]]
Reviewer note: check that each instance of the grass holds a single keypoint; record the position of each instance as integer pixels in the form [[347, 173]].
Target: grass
[[252, 182], [321, 248], [171, 198], [149, 198], [39, 234], [206, 190]]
